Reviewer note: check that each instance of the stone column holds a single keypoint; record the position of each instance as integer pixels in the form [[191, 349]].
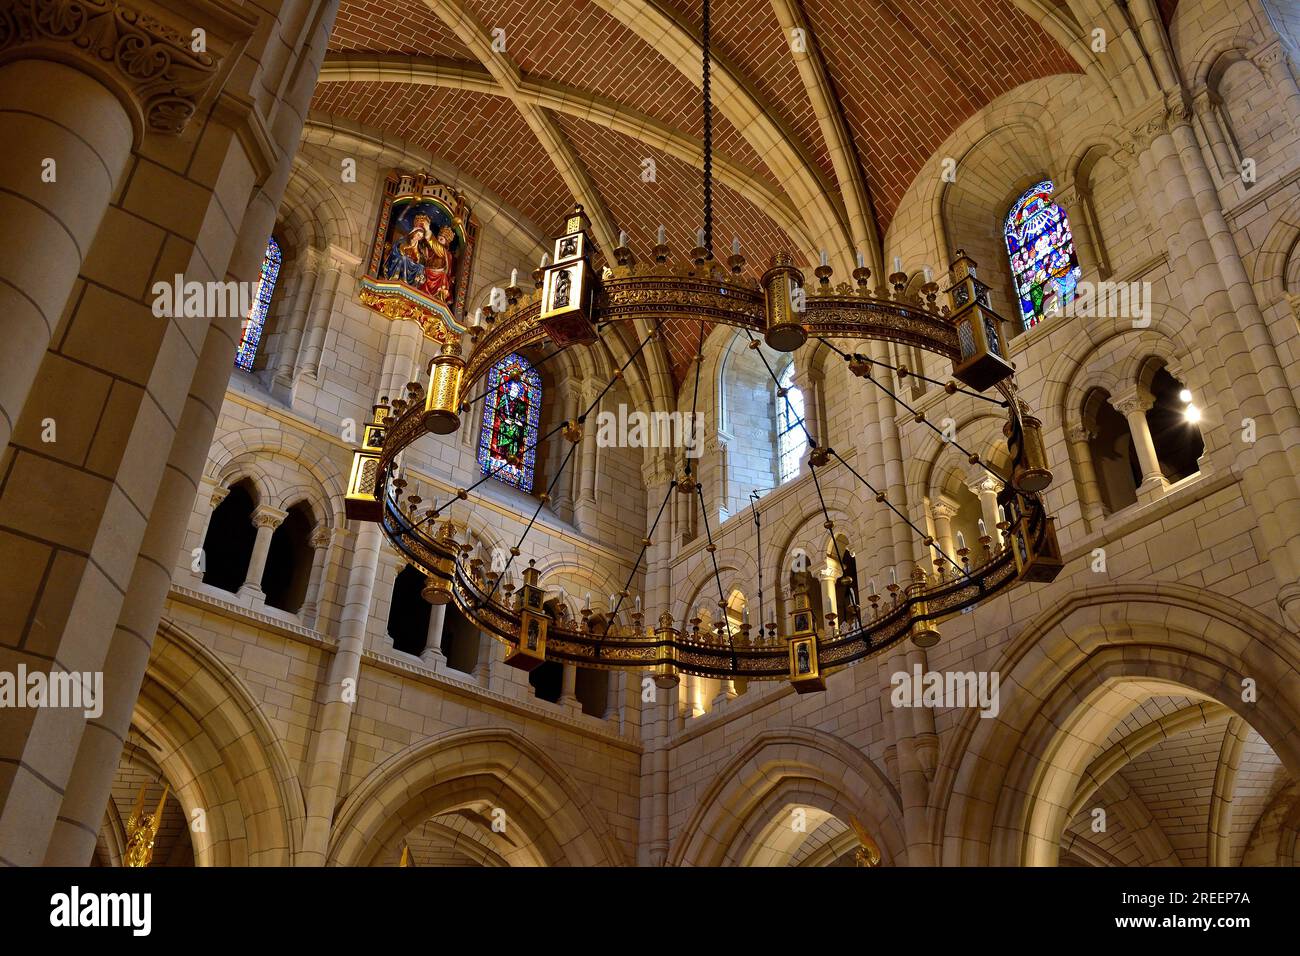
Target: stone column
[[313, 340], [830, 601], [569, 688], [986, 490], [339, 692], [483, 663], [306, 301], [1206, 105], [320, 542], [1134, 408], [107, 610], [67, 141], [265, 519], [342, 686], [1089, 490], [614, 695], [944, 511], [432, 653], [584, 513]]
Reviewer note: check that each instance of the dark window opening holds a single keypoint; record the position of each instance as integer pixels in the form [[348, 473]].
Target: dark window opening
[[228, 545], [408, 612], [289, 560]]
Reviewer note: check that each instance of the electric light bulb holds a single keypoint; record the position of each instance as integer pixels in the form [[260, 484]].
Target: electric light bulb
[[1192, 414], [1185, 396]]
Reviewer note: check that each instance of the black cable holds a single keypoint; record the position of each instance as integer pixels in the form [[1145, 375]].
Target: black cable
[[708, 137]]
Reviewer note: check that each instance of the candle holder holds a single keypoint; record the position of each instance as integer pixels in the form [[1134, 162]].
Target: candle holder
[[823, 274], [862, 275]]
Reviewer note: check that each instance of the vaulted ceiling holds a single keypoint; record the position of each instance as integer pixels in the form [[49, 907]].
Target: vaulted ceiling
[[817, 134]]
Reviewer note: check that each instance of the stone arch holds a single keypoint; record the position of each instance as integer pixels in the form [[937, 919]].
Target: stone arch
[[1000, 792], [736, 569], [220, 754], [1277, 263], [783, 766], [561, 824], [243, 447]]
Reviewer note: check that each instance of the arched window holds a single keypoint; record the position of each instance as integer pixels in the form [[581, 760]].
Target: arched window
[[228, 545], [408, 612], [1174, 431], [289, 560], [252, 334], [507, 447], [791, 442], [1040, 245]]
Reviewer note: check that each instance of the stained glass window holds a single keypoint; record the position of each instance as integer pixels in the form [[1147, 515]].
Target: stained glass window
[[1041, 247], [252, 333], [791, 442], [507, 445]]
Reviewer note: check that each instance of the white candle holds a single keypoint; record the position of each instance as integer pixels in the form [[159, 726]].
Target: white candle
[[929, 275], [898, 263], [546, 259], [699, 237], [478, 317], [824, 259], [983, 531], [662, 235], [862, 261], [612, 602], [735, 245], [586, 602], [893, 576], [744, 617], [622, 238], [638, 604], [871, 586], [961, 541]]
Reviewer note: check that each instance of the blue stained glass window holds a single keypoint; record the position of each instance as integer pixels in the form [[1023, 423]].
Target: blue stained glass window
[[507, 446], [252, 333], [1040, 245], [791, 442]]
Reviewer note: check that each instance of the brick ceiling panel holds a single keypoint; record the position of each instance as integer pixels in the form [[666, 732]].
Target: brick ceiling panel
[[576, 43], [673, 200], [393, 26], [480, 134], [909, 72], [748, 36]]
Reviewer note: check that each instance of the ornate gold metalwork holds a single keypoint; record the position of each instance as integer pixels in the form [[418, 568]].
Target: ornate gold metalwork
[[652, 291], [142, 830]]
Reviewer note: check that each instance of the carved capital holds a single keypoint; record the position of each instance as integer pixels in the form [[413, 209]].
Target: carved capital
[[218, 496], [147, 47], [1078, 434], [1126, 405], [657, 469], [268, 517], [321, 537], [943, 511]]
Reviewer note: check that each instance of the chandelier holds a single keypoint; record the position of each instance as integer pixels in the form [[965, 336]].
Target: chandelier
[[573, 304]]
